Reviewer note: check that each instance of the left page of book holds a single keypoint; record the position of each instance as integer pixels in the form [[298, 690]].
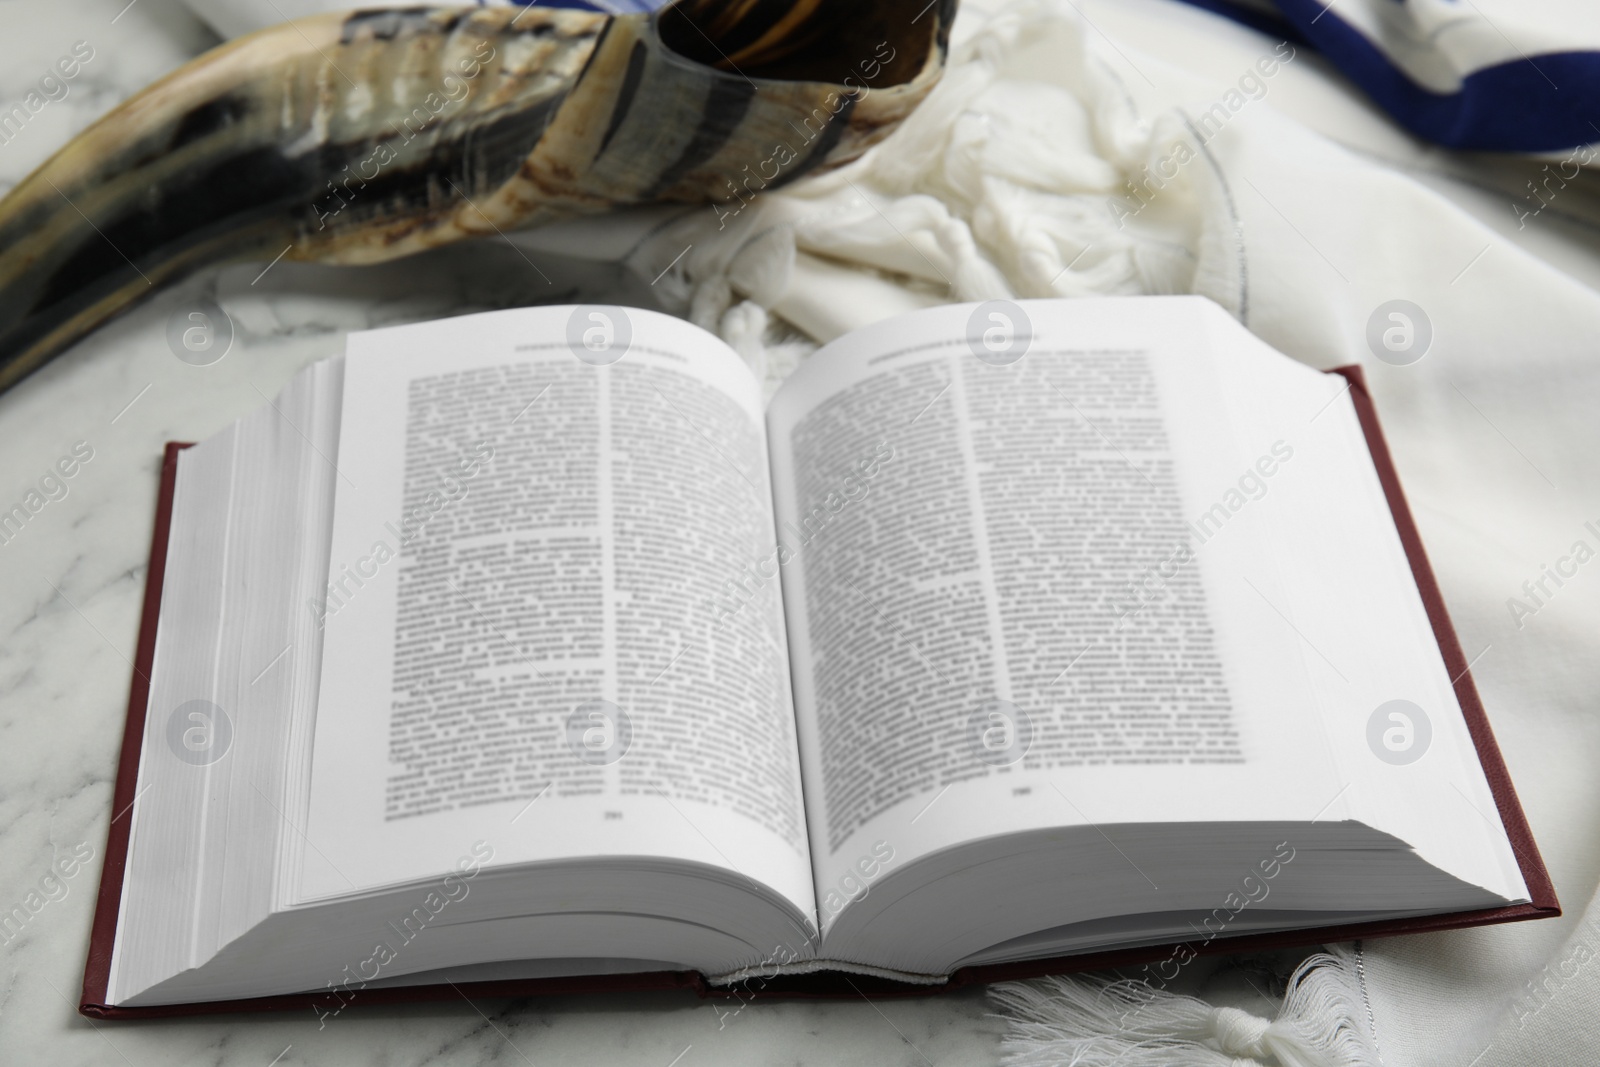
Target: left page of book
[[533, 511]]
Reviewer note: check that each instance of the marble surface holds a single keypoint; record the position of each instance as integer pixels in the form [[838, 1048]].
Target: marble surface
[[70, 589]]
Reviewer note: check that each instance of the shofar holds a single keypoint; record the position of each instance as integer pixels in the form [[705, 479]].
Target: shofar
[[356, 138]]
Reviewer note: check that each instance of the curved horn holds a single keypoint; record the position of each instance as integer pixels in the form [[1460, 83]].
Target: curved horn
[[355, 138]]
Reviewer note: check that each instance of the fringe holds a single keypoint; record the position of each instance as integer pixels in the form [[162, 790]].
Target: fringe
[[999, 186], [1098, 1022]]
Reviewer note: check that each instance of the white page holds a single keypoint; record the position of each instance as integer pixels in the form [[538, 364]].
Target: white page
[[232, 681], [1365, 638], [581, 520], [1071, 480]]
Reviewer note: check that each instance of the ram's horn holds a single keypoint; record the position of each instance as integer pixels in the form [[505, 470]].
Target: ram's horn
[[355, 138]]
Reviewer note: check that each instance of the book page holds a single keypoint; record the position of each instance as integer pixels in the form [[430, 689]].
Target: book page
[[1039, 585], [1393, 723], [521, 641]]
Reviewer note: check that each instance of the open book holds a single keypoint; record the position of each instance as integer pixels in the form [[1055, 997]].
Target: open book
[[535, 645]]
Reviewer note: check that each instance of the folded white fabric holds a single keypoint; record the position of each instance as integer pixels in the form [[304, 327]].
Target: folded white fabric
[[1049, 163]]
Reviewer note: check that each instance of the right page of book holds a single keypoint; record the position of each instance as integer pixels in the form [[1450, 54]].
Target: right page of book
[[1089, 562]]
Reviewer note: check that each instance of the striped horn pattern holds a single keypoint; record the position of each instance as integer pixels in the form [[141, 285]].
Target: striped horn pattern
[[362, 137]]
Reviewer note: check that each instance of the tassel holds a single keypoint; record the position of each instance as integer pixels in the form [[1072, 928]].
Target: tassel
[[744, 327], [1097, 1022]]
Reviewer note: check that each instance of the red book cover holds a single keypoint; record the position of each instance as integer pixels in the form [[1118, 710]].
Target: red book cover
[[1542, 903]]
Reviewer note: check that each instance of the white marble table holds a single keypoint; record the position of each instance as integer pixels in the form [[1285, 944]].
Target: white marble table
[[70, 589]]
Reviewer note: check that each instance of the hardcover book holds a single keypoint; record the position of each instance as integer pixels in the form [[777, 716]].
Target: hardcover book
[[538, 651]]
